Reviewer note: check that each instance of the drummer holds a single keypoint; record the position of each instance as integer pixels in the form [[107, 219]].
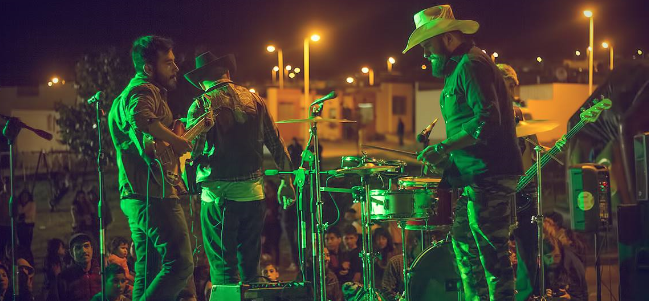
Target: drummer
[[481, 153]]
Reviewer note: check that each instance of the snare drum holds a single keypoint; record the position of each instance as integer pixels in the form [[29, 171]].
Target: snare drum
[[442, 216], [400, 204], [355, 161]]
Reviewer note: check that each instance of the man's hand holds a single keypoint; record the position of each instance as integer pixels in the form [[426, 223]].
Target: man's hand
[[431, 155], [286, 194], [209, 121], [181, 146]]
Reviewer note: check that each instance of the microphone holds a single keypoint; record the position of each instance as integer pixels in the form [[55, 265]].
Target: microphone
[[425, 133], [99, 96], [331, 95]]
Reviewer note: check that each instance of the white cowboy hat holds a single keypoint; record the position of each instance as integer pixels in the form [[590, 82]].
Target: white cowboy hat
[[437, 20]]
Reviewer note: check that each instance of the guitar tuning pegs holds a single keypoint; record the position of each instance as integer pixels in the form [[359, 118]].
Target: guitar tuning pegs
[[582, 109]]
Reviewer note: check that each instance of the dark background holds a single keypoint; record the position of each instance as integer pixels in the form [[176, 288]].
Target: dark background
[[42, 39]]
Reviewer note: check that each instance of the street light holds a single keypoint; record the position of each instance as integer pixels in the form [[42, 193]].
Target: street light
[[589, 15], [49, 84], [274, 73], [291, 75], [370, 73], [539, 59], [577, 52], [495, 54], [280, 63], [423, 67], [608, 46], [296, 70], [350, 80], [315, 37], [55, 80], [639, 52], [252, 90], [391, 62]]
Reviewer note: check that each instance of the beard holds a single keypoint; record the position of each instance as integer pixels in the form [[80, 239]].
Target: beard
[[438, 62], [168, 81]]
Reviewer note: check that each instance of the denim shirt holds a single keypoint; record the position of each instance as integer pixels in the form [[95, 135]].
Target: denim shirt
[[475, 100]]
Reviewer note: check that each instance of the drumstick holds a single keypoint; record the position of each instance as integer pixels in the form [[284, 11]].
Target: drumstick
[[390, 149]]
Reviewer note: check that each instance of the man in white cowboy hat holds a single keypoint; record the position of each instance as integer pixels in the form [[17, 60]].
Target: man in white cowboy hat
[[480, 155], [229, 161]]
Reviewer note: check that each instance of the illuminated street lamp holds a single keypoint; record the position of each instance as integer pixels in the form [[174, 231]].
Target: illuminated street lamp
[[370, 74], [639, 52], [494, 56], [291, 75], [577, 52], [55, 80], [49, 84], [350, 80], [280, 63], [423, 67], [589, 15], [296, 70], [608, 46], [539, 59], [274, 73], [391, 62], [252, 90]]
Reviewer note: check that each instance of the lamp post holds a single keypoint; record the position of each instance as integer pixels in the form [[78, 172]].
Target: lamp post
[[307, 99], [370, 73], [280, 62], [589, 15], [391, 62], [274, 73], [608, 46], [494, 56]]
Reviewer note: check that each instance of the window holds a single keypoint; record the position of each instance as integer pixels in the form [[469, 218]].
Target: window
[[398, 105]]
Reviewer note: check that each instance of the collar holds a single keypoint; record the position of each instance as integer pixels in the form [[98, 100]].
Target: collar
[[140, 79], [456, 56]]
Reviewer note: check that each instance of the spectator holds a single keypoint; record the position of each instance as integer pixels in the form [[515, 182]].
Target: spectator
[[384, 245], [565, 274], [350, 219], [118, 255], [82, 214], [107, 214], [400, 131], [5, 218], [553, 227], [272, 230], [81, 280], [115, 284], [25, 280], [4, 282], [333, 240], [55, 261], [295, 150], [25, 217], [130, 260], [334, 293], [289, 222], [392, 285], [351, 265], [269, 272]]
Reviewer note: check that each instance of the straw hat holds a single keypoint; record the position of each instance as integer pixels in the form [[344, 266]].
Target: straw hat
[[437, 20]]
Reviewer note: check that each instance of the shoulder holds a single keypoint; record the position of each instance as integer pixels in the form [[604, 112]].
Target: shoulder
[[474, 61]]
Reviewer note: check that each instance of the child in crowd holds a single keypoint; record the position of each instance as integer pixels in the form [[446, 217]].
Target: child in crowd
[[269, 271]]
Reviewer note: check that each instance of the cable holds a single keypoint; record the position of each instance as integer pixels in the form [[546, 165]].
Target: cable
[[332, 200], [222, 244]]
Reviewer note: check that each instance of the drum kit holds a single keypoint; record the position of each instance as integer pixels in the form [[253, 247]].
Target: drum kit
[[413, 203]]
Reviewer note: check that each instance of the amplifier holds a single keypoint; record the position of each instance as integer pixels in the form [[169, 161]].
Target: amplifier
[[641, 166], [589, 192], [262, 291]]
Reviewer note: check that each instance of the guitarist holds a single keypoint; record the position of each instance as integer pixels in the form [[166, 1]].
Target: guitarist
[[161, 241], [229, 158]]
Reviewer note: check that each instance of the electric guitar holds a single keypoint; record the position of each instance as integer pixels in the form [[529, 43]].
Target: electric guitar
[[587, 116], [160, 151]]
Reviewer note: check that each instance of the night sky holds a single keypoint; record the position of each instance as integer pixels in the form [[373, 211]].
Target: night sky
[[41, 39]]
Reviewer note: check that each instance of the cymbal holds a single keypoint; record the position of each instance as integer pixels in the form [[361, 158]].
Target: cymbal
[[316, 119], [531, 127], [366, 170]]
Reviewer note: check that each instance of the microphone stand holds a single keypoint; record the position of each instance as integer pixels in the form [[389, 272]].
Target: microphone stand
[[424, 167], [10, 131], [100, 207]]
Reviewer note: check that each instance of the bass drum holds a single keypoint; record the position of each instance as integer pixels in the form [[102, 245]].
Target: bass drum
[[434, 275]]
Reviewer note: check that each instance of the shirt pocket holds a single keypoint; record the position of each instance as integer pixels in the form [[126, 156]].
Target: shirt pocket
[[453, 102]]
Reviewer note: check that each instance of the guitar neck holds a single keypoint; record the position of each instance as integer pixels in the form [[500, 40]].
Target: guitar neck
[[195, 130], [530, 174]]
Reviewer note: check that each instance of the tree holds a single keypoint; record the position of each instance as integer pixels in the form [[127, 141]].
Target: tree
[[107, 71]]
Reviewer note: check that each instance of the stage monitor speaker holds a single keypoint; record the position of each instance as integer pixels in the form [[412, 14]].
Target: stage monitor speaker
[[263, 291], [633, 250], [590, 197], [640, 142]]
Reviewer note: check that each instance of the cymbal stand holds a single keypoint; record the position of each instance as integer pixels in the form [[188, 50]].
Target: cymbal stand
[[406, 268], [539, 222], [367, 255]]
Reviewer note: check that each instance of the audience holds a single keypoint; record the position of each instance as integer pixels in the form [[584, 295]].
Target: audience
[[82, 214], [119, 248], [25, 218], [384, 245], [269, 272], [5, 282], [553, 228], [114, 284], [272, 230], [81, 280], [55, 261], [565, 275], [351, 266], [333, 289], [332, 243]]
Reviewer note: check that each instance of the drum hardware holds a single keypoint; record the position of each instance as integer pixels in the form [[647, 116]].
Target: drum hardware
[[531, 127]]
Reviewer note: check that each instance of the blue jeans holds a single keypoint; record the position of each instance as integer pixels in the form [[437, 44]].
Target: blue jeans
[[168, 260]]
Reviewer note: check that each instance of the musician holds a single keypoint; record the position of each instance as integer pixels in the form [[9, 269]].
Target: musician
[[480, 155], [229, 158], [160, 232]]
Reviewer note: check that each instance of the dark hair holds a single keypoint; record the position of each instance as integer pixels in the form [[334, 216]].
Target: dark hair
[[351, 210], [113, 269], [30, 197], [334, 230], [383, 232], [350, 230], [53, 246], [556, 217], [116, 242], [146, 49]]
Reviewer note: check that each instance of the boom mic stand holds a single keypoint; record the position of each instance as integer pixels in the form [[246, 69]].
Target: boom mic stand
[[100, 207], [10, 131]]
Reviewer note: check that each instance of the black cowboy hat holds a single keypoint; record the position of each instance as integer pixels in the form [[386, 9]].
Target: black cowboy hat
[[207, 65]]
